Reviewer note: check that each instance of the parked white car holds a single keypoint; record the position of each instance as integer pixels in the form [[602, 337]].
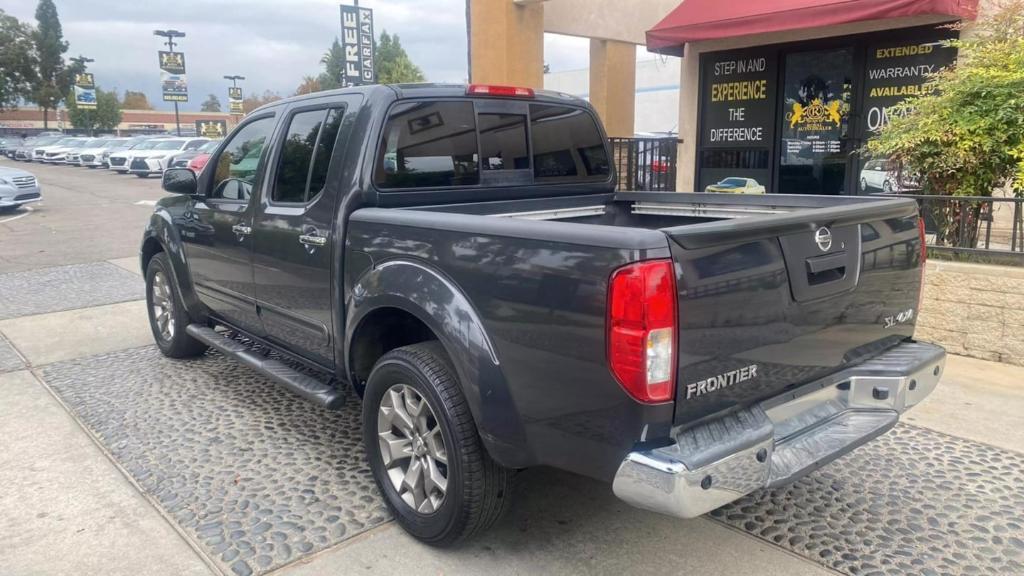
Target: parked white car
[[56, 154], [883, 174], [119, 161], [18, 187], [155, 160], [39, 150], [92, 156], [71, 154]]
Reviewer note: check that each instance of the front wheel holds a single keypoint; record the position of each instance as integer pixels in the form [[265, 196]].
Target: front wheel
[[167, 315], [424, 450]]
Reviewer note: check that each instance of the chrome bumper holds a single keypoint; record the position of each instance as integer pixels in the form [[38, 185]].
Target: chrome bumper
[[781, 439]]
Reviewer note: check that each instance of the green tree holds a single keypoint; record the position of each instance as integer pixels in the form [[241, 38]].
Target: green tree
[[333, 62], [136, 100], [211, 104], [53, 77], [393, 65], [309, 85], [106, 116], [965, 135], [254, 101], [17, 61]]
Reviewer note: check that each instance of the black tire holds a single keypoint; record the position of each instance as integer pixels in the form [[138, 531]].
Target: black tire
[[887, 187], [478, 489], [863, 185], [173, 343], [143, 175]]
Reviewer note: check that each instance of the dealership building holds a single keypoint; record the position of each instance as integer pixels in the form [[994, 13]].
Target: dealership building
[[780, 92]]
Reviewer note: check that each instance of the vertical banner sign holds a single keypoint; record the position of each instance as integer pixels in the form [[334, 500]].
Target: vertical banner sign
[[85, 91], [172, 76], [738, 91], [235, 100], [357, 42], [215, 129]]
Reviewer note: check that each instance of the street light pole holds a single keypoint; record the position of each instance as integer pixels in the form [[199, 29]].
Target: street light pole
[[82, 61], [170, 35]]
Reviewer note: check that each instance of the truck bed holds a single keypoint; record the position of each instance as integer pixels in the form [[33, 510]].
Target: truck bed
[[754, 289]]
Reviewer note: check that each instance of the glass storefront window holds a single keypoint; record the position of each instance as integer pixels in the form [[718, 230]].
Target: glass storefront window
[[814, 136]]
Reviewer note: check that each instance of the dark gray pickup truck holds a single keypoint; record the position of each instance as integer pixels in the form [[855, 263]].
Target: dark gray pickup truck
[[458, 258]]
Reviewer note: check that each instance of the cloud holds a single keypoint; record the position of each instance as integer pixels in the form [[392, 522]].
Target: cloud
[[272, 43]]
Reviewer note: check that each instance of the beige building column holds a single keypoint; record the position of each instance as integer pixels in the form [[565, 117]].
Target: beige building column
[[613, 85], [506, 43]]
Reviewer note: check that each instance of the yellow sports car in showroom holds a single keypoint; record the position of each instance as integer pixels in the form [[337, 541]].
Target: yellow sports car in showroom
[[735, 185]]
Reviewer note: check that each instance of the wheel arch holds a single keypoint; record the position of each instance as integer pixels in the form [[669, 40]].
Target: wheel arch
[[414, 296], [161, 236]]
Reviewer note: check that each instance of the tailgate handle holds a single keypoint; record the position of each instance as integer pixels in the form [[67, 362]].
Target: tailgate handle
[[827, 262]]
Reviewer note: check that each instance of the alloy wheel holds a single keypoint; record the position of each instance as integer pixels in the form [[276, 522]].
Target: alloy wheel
[[412, 448], [163, 306]]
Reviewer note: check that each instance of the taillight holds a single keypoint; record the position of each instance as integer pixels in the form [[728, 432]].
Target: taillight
[[642, 329], [490, 90]]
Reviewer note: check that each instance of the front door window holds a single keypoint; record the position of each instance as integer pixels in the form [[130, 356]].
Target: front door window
[[815, 136]]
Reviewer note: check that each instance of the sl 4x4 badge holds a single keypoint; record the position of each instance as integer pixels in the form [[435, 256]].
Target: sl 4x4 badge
[[714, 383], [897, 319]]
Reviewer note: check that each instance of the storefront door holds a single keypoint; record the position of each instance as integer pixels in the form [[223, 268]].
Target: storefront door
[[815, 135]]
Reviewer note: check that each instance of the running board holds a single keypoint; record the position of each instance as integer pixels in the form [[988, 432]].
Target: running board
[[306, 386]]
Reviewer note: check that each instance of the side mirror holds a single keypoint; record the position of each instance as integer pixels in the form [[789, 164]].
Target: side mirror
[[180, 181]]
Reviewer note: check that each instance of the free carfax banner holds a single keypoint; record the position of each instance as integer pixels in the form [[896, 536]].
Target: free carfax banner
[[357, 42], [85, 91], [172, 76]]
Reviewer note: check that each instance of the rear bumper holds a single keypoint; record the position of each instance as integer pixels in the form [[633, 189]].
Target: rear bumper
[[781, 439]]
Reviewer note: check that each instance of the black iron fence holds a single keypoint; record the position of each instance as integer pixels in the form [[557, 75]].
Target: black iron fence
[[644, 164], [975, 227]]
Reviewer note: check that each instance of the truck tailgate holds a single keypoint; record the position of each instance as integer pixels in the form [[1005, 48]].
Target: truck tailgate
[[771, 301]]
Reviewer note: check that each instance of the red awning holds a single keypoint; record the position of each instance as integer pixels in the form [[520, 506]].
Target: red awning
[[695, 20]]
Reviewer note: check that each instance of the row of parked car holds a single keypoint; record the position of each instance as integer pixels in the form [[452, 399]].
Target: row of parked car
[[143, 156]]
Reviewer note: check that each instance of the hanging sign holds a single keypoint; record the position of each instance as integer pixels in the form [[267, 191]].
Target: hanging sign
[[172, 76], [235, 100], [85, 91], [214, 129]]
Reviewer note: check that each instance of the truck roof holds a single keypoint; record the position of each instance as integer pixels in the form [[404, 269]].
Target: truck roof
[[425, 90]]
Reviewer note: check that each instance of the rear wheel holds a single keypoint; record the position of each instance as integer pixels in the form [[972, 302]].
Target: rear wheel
[[167, 315], [424, 449], [887, 187]]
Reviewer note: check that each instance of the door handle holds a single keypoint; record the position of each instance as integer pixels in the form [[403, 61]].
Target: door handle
[[241, 229], [313, 240]]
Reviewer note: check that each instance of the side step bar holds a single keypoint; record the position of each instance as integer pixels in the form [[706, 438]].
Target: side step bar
[[304, 385]]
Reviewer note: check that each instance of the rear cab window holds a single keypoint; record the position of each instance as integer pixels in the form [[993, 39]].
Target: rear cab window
[[472, 143]]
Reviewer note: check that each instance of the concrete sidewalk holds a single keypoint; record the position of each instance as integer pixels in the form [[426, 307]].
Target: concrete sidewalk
[[66, 508]]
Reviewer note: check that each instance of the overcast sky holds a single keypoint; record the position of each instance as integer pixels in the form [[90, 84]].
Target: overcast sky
[[273, 43]]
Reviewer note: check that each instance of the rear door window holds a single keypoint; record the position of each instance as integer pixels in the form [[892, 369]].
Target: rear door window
[[306, 155], [567, 145], [429, 144]]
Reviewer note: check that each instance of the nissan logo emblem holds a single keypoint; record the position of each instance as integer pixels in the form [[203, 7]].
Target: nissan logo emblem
[[823, 237]]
